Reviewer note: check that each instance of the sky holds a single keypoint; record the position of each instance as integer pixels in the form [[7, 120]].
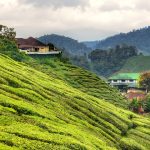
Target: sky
[[84, 20]]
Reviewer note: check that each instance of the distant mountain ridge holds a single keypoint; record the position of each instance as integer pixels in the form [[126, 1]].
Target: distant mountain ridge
[[91, 44], [70, 45], [139, 38]]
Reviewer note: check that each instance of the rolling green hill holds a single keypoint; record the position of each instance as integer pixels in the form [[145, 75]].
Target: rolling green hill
[[40, 111], [137, 64], [79, 78]]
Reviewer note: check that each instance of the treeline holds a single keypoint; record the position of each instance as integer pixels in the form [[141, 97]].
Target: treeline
[[108, 62], [8, 45]]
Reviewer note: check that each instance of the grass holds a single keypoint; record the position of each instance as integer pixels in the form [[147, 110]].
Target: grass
[[64, 107]]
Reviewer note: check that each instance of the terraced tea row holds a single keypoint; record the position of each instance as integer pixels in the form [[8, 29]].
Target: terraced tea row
[[39, 111]]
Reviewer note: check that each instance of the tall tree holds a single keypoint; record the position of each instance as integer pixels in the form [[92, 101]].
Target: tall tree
[[144, 81], [8, 33]]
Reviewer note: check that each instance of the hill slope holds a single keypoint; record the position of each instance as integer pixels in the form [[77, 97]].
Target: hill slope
[[137, 64], [79, 78], [139, 38], [70, 45], [41, 112]]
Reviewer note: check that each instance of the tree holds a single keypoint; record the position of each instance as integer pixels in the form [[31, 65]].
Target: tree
[[137, 106], [8, 44], [147, 104], [134, 105], [7, 33], [107, 62], [144, 81]]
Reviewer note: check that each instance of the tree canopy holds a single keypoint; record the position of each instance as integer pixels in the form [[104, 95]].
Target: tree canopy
[[107, 62], [144, 80], [7, 33]]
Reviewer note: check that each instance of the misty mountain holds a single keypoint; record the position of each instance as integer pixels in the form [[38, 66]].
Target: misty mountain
[[67, 44], [91, 44], [139, 38]]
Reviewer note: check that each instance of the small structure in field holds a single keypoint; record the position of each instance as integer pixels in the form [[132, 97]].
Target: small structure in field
[[33, 46], [124, 80]]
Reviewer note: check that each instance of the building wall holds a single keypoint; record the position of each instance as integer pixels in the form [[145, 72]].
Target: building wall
[[128, 83], [43, 49], [120, 81]]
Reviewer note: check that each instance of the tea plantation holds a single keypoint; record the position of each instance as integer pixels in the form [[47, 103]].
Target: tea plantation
[[52, 109], [78, 78]]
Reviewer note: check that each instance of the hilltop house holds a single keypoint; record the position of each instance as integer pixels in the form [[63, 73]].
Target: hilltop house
[[34, 46], [124, 80]]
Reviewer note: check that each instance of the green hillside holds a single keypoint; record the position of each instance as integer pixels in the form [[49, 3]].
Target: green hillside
[[79, 78], [40, 111], [137, 64]]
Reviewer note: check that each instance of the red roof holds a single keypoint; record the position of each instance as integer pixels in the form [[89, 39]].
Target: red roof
[[132, 95], [29, 42]]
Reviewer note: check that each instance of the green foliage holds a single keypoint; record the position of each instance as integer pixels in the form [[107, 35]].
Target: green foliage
[[134, 105], [108, 62], [48, 110], [81, 79], [147, 104], [137, 64], [80, 61], [129, 144], [8, 44], [7, 33], [144, 80]]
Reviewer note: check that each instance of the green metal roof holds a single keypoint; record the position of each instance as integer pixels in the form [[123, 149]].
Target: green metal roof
[[125, 76]]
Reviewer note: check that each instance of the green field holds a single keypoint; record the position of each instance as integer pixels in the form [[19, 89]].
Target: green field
[[137, 64], [41, 111]]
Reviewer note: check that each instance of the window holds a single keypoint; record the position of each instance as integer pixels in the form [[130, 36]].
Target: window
[[36, 49], [131, 80], [114, 80], [123, 80]]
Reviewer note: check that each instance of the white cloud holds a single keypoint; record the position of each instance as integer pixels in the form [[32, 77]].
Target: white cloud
[[55, 3], [80, 19], [143, 5]]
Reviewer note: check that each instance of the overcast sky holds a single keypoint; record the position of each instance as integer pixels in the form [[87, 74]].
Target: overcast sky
[[79, 19]]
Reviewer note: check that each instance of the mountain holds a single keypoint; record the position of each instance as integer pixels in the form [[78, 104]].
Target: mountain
[[70, 45], [91, 44], [139, 38], [137, 64], [40, 111]]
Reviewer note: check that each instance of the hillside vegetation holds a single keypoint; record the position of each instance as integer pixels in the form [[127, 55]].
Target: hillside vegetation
[[74, 76], [79, 78], [137, 64], [39, 111], [106, 63]]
